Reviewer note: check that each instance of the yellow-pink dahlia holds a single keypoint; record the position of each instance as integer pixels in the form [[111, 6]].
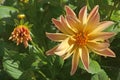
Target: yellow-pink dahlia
[[21, 34], [81, 35]]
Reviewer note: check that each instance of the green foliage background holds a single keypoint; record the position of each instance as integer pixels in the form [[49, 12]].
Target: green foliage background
[[19, 63]]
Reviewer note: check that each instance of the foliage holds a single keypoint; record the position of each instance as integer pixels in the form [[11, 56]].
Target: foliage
[[31, 63]]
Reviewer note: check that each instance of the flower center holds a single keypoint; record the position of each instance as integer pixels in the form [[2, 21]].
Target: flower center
[[81, 39]]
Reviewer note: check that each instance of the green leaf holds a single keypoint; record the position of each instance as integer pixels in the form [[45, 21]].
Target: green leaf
[[94, 67], [100, 76], [58, 62], [118, 78], [27, 62], [12, 68], [116, 15], [5, 11], [27, 75]]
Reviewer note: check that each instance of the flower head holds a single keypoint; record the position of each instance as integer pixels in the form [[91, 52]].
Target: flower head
[[21, 34], [81, 35]]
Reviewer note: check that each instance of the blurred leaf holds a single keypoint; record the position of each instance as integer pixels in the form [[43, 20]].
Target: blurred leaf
[[116, 15], [27, 75], [5, 11], [12, 68], [2, 44], [100, 76], [118, 78], [94, 67], [58, 62], [114, 28], [27, 62]]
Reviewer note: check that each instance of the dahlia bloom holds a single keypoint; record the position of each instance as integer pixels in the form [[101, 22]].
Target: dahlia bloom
[[21, 34], [81, 35]]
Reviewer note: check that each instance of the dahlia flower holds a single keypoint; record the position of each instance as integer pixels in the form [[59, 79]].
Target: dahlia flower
[[21, 34], [81, 35]]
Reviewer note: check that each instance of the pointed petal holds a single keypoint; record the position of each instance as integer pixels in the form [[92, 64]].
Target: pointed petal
[[74, 23], [92, 23], [93, 20], [75, 61], [83, 15], [106, 52], [51, 51], [93, 13], [84, 57], [56, 36], [59, 25], [66, 25], [101, 36], [102, 26], [98, 46], [69, 11], [69, 53], [63, 47]]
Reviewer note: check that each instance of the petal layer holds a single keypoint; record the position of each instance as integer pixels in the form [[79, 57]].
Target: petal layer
[[83, 15], [92, 15], [75, 61], [51, 51], [69, 11], [64, 47], [69, 53], [56, 36], [66, 26], [59, 25], [74, 23], [84, 57], [97, 46], [106, 52], [101, 36], [102, 26]]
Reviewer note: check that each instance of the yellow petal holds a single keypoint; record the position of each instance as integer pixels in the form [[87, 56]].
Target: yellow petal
[[74, 23], [92, 23], [93, 14], [58, 37], [69, 11], [101, 36], [75, 61], [84, 57], [83, 15], [98, 46], [106, 52], [102, 27], [69, 53], [59, 25], [63, 47], [66, 25], [93, 20], [51, 51]]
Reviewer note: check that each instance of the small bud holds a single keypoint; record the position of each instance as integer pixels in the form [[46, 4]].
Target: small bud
[[21, 16], [24, 1]]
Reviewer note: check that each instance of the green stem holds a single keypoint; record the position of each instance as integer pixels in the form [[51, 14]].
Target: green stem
[[43, 75]]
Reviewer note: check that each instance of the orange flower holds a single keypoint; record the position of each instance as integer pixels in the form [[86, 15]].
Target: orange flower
[[21, 34], [80, 36]]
